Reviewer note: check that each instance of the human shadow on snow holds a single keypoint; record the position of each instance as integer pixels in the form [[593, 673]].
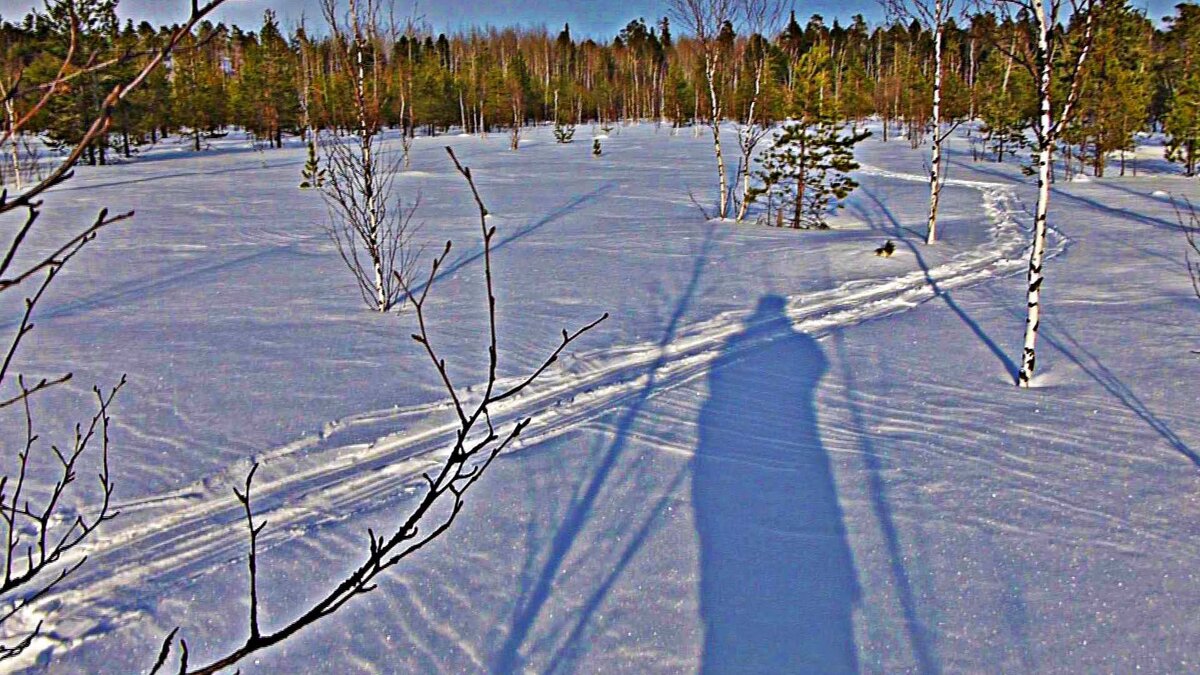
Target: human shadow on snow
[[778, 585]]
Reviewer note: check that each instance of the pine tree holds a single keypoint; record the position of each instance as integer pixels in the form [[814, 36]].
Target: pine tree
[[1119, 63], [199, 91], [806, 170], [314, 174], [1007, 104], [1182, 119], [69, 115], [1182, 123]]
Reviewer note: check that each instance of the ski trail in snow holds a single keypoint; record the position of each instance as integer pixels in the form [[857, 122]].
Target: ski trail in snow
[[315, 480]]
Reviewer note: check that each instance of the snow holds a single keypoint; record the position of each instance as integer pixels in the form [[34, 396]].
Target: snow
[[781, 454]]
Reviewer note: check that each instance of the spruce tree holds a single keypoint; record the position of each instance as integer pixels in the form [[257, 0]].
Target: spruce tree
[[564, 133]]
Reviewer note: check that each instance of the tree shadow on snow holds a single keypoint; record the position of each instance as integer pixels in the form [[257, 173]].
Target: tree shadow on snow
[[1010, 366], [778, 585], [568, 640]]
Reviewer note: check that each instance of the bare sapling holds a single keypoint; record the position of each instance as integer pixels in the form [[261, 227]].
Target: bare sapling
[[761, 18], [372, 228], [705, 19], [373, 238]]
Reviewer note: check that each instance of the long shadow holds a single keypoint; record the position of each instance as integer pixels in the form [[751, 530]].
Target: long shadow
[[558, 213], [576, 644], [1068, 346], [897, 229], [778, 585], [1009, 365], [1085, 201], [170, 176], [1166, 200], [508, 658], [918, 635], [153, 284], [1099, 372]]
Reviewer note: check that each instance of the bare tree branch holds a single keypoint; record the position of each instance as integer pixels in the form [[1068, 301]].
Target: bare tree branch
[[39, 535], [477, 443]]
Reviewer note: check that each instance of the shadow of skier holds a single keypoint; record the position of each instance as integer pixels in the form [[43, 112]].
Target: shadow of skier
[[778, 585]]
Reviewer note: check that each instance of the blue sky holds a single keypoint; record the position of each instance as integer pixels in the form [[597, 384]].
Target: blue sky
[[595, 18]]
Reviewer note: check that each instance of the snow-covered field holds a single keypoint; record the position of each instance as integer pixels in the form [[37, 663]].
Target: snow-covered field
[[780, 454]]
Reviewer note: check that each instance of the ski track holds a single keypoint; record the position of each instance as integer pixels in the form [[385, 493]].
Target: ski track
[[321, 478]]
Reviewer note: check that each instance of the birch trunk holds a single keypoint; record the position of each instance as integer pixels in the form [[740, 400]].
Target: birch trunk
[[715, 123], [935, 164], [1047, 134], [366, 132], [748, 140], [16, 152]]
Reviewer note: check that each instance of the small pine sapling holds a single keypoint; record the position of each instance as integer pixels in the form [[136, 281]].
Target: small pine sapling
[[314, 174], [806, 171], [564, 133]]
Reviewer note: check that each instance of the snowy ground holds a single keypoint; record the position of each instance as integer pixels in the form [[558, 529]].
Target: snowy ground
[[781, 454]]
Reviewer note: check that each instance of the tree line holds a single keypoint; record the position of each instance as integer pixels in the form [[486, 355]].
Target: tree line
[[275, 81]]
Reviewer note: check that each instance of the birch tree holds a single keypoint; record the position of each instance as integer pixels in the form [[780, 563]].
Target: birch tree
[[707, 20], [373, 238], [1056, 103], [762, 19], [933, 15]]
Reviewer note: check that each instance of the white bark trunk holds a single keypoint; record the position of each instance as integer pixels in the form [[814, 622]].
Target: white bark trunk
[[749, 139], [935, 164], [715, 123], [1045, 135], [16, 153], [366, 133]]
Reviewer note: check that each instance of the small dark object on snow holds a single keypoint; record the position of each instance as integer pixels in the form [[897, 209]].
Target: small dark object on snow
[[886, 250]]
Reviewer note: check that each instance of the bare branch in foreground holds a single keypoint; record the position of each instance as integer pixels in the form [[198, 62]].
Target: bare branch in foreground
[[1189, 222], [477, 444], [39, 532]]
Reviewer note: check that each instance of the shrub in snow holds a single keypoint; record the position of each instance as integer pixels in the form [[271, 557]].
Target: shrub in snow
[[564, 133]]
